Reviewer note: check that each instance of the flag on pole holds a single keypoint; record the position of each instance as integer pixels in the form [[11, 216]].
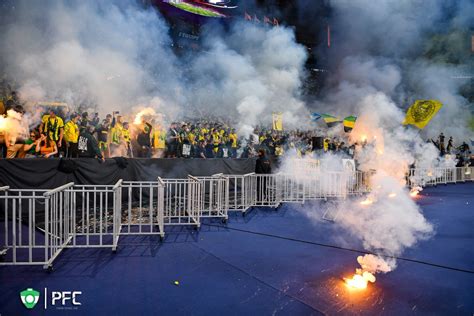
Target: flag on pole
[[266, 20], [421, 112], [277, 120], [248, 17], [349, 123], [275, 22], [255, 18], [315, 116], [330, 120]]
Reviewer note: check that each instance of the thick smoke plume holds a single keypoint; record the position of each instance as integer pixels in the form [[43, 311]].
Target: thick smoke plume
[[383, 58], [254, 70], [118, 55], [90, 53]]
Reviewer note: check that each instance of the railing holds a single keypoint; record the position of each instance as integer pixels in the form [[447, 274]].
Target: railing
[[26, 241], [144, 208], [36, 225], [434, 176], [94, 215], [241, 196], [182, 201], [251, 189], [214, 197]]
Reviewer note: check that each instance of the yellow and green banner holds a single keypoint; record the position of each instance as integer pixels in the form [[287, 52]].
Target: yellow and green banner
[[349, 123], [421, 112], [330, 120]]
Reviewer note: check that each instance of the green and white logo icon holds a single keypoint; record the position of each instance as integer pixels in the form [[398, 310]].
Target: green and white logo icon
[[29, 297]]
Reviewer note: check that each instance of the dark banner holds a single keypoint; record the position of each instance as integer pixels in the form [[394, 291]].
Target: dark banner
[[45, 173]]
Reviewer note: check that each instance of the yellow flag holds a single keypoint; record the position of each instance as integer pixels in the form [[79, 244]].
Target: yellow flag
[[421, 112], [277, 119]]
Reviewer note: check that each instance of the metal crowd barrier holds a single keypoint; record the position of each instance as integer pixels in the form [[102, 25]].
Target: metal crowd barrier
[[214, 197], [251, 189], [290, 188], [240, 192], [264, 190], [36, 225], [143, 212], [26, 241], [94, 215], [434, 176], [182, 201]]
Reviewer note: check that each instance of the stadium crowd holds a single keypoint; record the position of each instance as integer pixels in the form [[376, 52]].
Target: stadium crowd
[[59, 133]]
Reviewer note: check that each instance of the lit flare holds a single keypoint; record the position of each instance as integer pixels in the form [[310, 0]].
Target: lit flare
[[415, 191], [367, 201], [359, 280]]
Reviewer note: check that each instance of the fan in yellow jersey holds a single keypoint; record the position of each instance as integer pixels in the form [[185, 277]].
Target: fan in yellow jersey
[[233, 143], [53, 126], [159, 142], [126, 139], [71, 136], [216, 140], [115, 135]]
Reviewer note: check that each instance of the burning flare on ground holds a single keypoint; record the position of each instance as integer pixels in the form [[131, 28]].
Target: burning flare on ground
[[359, 280], [369, 266], [415, 191], [392, 195], [367, 201]]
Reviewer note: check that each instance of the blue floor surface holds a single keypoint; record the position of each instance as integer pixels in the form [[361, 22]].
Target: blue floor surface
[[270, 262]]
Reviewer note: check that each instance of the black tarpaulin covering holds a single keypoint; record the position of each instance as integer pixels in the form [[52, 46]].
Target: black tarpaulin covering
[[44, 173]]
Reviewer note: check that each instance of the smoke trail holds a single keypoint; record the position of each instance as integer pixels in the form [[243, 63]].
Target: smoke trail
[[384, 57]]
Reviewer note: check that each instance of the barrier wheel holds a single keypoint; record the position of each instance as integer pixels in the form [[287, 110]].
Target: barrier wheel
[[50, 269], [244, 214], [162, 238], [224, 221]]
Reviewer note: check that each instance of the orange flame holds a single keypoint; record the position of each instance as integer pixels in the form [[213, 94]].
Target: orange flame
[[414, 192], [360, 280], [139, 118], [367, 201], [392, 195]]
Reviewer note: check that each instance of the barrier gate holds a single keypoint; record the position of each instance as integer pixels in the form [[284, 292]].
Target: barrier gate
[[26, 241], [143, 212], [94, 215], [214, 197], [182, 201]]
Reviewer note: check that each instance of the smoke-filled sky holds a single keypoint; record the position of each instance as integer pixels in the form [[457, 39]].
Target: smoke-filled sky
[[118, 54], [407, 50]]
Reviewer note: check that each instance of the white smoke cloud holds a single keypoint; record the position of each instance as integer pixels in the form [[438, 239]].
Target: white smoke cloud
[[118, 55], [379, 69], [113, 54], [250, 73]]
